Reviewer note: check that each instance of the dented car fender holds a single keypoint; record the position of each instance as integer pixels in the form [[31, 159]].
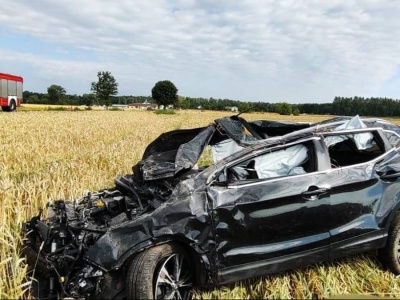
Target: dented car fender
[[183, 218], [163, 225]]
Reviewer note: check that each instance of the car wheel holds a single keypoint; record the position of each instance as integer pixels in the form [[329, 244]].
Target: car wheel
[[161, 272], [390, 254]]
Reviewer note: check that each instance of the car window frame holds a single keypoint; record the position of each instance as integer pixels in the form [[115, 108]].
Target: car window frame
[[378, 134], [213, 177], [384, 131]]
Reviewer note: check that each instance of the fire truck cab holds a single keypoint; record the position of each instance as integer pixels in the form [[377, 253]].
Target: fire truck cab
[[10, 91]]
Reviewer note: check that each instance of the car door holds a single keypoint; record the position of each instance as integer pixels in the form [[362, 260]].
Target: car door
[[356, 191], [268, 224]]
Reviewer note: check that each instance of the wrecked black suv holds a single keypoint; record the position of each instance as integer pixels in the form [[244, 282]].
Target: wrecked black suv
[[276, 195]]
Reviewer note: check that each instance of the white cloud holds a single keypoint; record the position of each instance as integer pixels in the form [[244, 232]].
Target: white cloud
[[249, 50]]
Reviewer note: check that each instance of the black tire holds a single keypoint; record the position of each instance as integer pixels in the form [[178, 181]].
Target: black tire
[[12, 106], [390, 254], [161, 272]]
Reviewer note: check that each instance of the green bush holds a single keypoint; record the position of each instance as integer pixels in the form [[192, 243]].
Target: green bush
[[164, 112], [283, 108]]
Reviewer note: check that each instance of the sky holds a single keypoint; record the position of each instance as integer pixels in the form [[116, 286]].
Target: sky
[[297, 51]]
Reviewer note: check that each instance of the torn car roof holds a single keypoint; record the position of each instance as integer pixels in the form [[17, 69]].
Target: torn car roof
[[175, 152]]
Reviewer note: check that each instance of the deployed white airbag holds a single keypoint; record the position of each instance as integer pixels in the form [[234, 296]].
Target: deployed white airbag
[[224, 149], [362, 140], [281, 163]]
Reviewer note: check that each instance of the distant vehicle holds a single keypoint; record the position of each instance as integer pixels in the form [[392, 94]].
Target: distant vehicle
[[10, 91]]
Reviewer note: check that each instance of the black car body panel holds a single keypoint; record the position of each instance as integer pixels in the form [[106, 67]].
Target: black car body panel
[[280, 195]]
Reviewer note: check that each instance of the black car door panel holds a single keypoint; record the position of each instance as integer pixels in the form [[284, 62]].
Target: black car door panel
[[262, 219]]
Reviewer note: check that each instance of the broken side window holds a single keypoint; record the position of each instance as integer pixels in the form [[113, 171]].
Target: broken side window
[[292, 160], [361, 140], [224, 149], [393, 138], [284, 162], [206, 158], [348, 152]]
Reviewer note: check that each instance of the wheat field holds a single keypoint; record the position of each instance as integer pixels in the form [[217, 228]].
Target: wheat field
[[49, 155]]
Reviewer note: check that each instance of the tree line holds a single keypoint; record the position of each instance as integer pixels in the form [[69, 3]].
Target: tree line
[[379, 107], [85, 99], [104, 92]]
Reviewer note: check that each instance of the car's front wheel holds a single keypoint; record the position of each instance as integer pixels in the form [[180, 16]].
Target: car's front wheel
[[161, 272], [390, 254]]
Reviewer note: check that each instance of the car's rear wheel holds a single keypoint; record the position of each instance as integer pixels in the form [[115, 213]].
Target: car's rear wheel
[[390, 254], [161, 272]]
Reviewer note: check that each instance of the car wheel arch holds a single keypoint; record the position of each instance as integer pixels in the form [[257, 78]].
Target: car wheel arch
[[389, 254], [200, 259], [392, 211]]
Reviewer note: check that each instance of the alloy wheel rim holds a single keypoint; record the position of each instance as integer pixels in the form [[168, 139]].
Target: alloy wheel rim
[[174, 279], [398, 249]]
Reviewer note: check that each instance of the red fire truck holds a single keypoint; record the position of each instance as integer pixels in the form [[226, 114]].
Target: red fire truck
[[10, 91]]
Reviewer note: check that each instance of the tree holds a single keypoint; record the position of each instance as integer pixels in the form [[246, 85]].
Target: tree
[[33, 99], [283, 108], [165, 93], [244, 107], [87, 99], [296, 111], [56, 94], [183, 103], [105, 87]]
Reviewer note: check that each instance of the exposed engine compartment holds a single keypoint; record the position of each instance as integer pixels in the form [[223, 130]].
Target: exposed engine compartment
[[56, 244]]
